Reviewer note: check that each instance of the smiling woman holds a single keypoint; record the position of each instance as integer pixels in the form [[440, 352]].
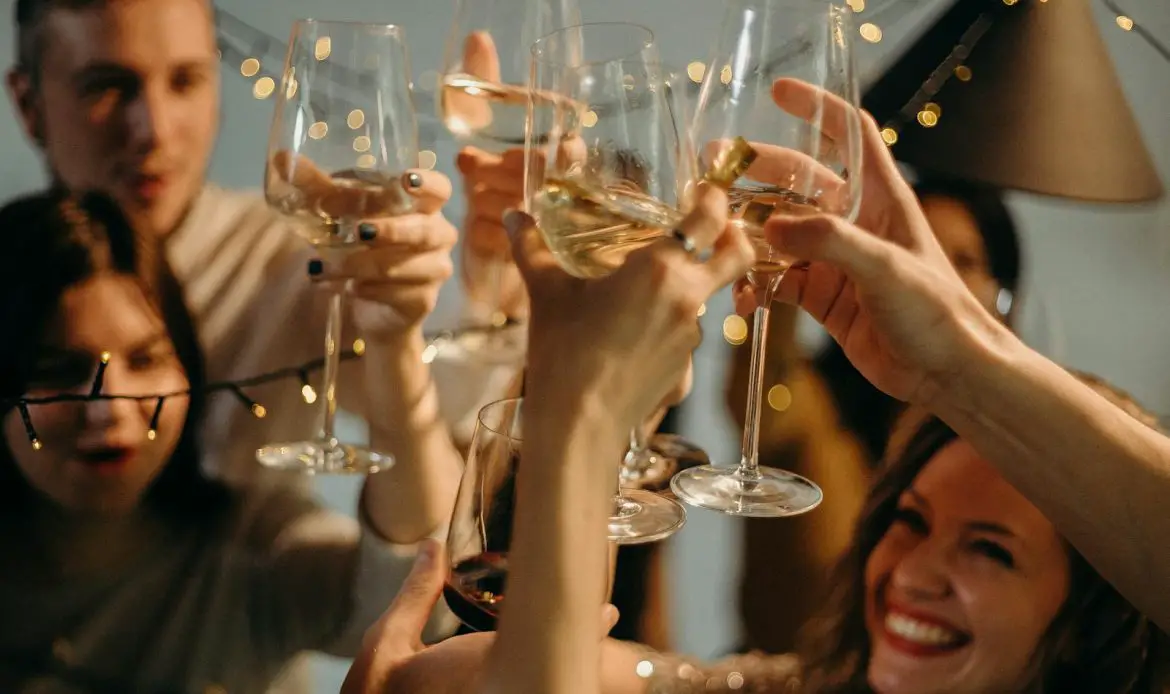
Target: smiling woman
[[956, 583]]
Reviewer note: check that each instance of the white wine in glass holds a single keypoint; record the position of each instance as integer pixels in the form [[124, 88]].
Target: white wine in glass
[[483, 101], [781, 75], [343, 136]]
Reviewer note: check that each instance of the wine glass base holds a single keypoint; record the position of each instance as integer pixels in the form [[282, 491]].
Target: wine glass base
[[771, 493], [664, 455], [644, 517], [504, 346], [323, 457]]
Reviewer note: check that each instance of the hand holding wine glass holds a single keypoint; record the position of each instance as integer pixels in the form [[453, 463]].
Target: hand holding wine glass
[[342, 140], [808, 162]]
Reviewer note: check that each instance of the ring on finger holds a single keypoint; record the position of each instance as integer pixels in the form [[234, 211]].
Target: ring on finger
[[688, 243]]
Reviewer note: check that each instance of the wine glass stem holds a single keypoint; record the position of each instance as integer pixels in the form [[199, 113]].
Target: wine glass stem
[[332, 362], [635, 461], [750, 461], [495, 278]]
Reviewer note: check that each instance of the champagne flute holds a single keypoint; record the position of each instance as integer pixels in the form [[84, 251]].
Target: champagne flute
[[480, 533], [603, 168], [343, 135], [806, 158], [483, 98]]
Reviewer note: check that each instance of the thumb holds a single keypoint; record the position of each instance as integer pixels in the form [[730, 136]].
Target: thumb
[[401, 626], [529, 251], [609, 619], [823, 238]]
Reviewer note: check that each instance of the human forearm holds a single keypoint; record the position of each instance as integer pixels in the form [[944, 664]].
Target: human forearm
[[548, 637], [1100, 475], [415, 496]]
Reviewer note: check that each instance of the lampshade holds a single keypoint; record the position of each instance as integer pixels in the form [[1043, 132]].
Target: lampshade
[[1018, 94]]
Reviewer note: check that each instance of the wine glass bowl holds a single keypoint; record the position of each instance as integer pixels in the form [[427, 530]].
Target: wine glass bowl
[[483, 100], [781, 76], [343, 135]]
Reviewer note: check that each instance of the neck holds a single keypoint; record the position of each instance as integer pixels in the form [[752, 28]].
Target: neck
[[57, 544]]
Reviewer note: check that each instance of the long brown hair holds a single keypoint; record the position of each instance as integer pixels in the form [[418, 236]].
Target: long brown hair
[[1097, 643], [53, 241]]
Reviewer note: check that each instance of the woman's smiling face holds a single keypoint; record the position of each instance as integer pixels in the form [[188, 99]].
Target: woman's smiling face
[[963, 585]]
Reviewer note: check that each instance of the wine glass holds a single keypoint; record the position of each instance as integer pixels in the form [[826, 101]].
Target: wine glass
[[654, 457], [482, 100], [603, 148], [767, 49], [343, 135], [480, 533]]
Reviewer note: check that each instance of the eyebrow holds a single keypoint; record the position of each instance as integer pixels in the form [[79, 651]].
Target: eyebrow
[[103, 68], [152, 341], [979, 526]]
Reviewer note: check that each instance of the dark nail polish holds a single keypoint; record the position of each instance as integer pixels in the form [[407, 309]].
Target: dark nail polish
[[413, 180], [367, 232], [316, 267]]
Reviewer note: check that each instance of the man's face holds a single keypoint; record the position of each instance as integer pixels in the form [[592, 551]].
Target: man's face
[[128, 103]]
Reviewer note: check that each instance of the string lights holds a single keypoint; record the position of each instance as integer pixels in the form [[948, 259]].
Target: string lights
[[237, 388]]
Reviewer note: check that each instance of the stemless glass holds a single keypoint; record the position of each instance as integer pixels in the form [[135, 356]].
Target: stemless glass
[[483, 99], [343, 135], [480, 533], [797, 53], [602, 130]]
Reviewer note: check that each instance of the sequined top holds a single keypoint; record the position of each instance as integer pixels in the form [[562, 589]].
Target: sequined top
[[754, 673]]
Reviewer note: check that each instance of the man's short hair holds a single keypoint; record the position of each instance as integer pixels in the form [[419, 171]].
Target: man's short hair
[[30, 29]]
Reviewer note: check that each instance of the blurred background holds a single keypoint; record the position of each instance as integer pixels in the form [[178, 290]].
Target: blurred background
[[1096, 294]]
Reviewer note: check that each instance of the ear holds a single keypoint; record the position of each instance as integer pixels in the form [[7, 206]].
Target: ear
[[27, 104]]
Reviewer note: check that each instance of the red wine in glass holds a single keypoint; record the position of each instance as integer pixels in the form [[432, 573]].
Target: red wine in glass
[[474, 589]]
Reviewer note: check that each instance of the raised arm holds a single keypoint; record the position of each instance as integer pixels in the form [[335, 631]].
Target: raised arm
[[885, 291]]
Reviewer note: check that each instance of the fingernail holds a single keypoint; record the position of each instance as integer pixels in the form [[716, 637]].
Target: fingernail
[[413, 180], [513, 219], [316, 267], [367, 232]]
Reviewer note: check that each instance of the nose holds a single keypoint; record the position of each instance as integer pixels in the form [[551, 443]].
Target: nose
[[923, 571], [107, 414], [151, 117]]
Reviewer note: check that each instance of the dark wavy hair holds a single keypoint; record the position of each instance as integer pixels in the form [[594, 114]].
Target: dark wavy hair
[[865, 411], [1097, 643], [54, 241]]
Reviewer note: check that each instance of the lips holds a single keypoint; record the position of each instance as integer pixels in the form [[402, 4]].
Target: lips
[[919, 634], [106, 459], [147, 186]]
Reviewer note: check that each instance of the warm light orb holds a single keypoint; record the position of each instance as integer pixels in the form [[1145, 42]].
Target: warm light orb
[[589, 119], [1125, 23], [696, 70], [856, 5], [871, 32], [249, 67], [263, 87], [318, 130], [259, 411], [361, 143], [702, 310], [963, 73], [725, 74], [779, 398], [355, 119], [366, 161], [427, 159], [308, 394], [927, 119], [889, 136], [359, 346], [735, 329], [323, 48]]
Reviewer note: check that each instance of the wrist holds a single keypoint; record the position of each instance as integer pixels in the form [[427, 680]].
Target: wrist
[[988, 356]]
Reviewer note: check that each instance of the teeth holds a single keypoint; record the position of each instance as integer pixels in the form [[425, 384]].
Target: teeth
[[920, 632]]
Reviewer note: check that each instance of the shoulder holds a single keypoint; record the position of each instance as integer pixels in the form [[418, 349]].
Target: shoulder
[[267, 512], [223, 216]]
